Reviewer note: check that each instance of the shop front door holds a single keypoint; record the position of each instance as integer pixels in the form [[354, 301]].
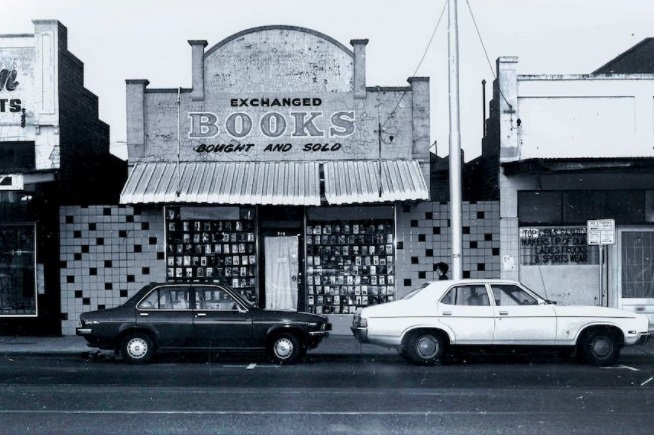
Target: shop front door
[[636, 271], [281, 272]]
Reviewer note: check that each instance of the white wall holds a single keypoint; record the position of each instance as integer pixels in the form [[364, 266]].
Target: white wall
[[585, 116]]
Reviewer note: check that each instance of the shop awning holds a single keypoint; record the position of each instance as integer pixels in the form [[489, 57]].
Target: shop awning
[[355, 182], [275, 183]]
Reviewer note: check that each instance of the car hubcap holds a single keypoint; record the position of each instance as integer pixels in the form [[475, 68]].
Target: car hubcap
[[427, 347], [601, 347], [137, 348], [283, 348]]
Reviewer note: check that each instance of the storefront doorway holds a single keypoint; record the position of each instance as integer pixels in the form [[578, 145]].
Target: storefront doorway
[[281, 272], [636, 270]]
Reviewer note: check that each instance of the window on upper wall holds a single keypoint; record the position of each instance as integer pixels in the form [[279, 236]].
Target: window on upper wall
[[576, 207], [626, 207], [581, 205], [540, 207]]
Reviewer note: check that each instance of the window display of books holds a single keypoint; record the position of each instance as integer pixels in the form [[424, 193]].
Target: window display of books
[[349, 265], [219, 251]]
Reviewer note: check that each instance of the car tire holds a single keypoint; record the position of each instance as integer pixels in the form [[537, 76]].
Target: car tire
[[137, 348], [600, 348], [426, 348], [285, 348]]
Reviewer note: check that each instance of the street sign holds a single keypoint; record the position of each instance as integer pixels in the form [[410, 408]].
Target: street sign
[[601, 232]]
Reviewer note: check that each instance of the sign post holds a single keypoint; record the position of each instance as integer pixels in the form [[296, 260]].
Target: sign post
[[601, 232]]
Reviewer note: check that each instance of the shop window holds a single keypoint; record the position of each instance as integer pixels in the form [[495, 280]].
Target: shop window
[[17, 270], [350, 264], [212, 245]]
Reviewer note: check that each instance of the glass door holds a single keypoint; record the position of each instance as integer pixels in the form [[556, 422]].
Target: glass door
[[281, 272], [636, 272]]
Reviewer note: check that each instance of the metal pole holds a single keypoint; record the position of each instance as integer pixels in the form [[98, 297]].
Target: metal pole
[[483, 107], [455, 141]]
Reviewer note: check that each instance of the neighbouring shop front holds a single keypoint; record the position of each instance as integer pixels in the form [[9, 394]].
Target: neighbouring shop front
[[556, 254], [283, 182], [51, 143]]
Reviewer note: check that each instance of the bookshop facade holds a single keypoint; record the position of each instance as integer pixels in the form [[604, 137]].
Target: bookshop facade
[[280, 173]]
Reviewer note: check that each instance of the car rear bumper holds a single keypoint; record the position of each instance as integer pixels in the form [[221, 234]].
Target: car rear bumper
[[361, 334]]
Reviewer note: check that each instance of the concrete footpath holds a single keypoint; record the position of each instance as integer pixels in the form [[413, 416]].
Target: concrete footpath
[[332, 345]]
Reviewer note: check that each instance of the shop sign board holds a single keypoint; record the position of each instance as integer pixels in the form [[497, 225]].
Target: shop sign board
[[601, 231]]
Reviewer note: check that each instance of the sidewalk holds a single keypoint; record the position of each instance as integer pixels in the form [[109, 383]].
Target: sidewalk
[[333, 345]]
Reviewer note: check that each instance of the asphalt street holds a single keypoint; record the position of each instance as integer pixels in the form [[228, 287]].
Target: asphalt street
[[477, 393]]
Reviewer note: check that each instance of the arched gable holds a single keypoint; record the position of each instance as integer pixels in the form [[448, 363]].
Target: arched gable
[[278, 59]]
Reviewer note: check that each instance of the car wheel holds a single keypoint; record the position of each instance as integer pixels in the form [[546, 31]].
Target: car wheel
[[600, 348], [285, 349], [425, 347], [137, 348]]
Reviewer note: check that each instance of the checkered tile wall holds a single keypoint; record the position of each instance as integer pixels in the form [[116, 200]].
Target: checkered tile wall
[[107, 254]]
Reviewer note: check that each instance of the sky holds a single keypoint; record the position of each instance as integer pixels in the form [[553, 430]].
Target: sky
[[147, 39]]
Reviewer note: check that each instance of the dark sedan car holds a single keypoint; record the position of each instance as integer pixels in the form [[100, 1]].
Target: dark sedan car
[[174, 317]]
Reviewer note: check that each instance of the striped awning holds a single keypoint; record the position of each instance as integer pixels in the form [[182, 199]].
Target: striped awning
[[355, 182], [274, 183]]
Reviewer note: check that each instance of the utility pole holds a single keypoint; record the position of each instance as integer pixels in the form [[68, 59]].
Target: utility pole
[[455, 141]]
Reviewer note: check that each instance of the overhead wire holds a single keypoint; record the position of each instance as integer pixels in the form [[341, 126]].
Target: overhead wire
[[490, 65], [419, 63]]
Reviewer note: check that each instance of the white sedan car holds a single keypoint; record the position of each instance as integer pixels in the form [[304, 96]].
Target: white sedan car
[[488, 312]]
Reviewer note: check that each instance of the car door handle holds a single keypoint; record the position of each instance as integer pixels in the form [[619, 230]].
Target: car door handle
[[201, 315], [504, 313], [144, 314], [447, 313]]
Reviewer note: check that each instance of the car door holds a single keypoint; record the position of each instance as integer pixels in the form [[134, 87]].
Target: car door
[[167, 311], [467, 311], [521, 318], [220, 320]]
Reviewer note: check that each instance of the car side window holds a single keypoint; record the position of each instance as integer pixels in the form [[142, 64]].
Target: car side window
[[468, 295], [167, 298], [507, 295], [215, 299]]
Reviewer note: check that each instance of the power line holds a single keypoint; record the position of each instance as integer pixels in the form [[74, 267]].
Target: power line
[[483, 46], [419, 64]]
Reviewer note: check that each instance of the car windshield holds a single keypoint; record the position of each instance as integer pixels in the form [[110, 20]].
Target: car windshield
[[415, 291]]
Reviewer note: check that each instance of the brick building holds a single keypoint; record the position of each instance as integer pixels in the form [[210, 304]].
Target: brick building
[[53, 151]]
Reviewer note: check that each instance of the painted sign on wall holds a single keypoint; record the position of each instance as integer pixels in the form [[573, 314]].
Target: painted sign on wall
[[556, 246], [8, 85], [228, 127]]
